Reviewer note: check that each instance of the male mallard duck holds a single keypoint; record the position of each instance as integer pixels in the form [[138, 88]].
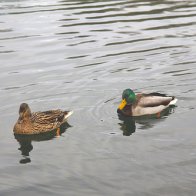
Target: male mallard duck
[[39, 122], [144, 104]]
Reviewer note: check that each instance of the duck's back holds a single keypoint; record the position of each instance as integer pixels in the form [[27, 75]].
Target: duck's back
[[48, 120], [154, 100]]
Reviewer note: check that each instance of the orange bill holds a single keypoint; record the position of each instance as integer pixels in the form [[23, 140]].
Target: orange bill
[[122, 104]]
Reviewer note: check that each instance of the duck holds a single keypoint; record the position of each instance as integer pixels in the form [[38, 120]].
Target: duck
[[143, 104], [30, 123]]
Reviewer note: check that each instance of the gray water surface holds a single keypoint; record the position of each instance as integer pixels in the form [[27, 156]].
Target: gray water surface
[[80, 55]]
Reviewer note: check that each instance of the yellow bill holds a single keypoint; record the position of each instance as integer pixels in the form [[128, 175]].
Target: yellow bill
[[122, 104]]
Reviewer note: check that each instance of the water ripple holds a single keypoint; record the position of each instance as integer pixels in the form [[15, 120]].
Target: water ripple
[[80, 55]]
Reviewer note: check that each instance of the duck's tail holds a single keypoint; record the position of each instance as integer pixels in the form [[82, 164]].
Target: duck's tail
[[69, 113], [173, 102]]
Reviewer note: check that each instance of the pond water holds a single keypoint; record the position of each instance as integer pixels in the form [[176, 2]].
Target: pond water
[[81, 55]]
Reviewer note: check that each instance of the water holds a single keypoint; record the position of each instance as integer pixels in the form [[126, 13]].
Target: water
[[81, 55]]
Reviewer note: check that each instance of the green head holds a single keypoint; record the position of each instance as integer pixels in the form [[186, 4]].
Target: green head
[[129, 96]]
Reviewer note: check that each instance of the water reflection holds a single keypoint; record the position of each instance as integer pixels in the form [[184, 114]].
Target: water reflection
[[128, 124], [26, 145]]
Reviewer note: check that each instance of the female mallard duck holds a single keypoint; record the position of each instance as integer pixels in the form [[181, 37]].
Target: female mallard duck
[[144, 104], [39, 122]]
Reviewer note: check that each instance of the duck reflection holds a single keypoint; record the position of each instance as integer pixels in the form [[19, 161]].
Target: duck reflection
[[128, 124], [26, 145]]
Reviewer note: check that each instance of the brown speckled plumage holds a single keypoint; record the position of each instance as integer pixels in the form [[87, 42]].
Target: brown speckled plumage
[[38, 122]]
